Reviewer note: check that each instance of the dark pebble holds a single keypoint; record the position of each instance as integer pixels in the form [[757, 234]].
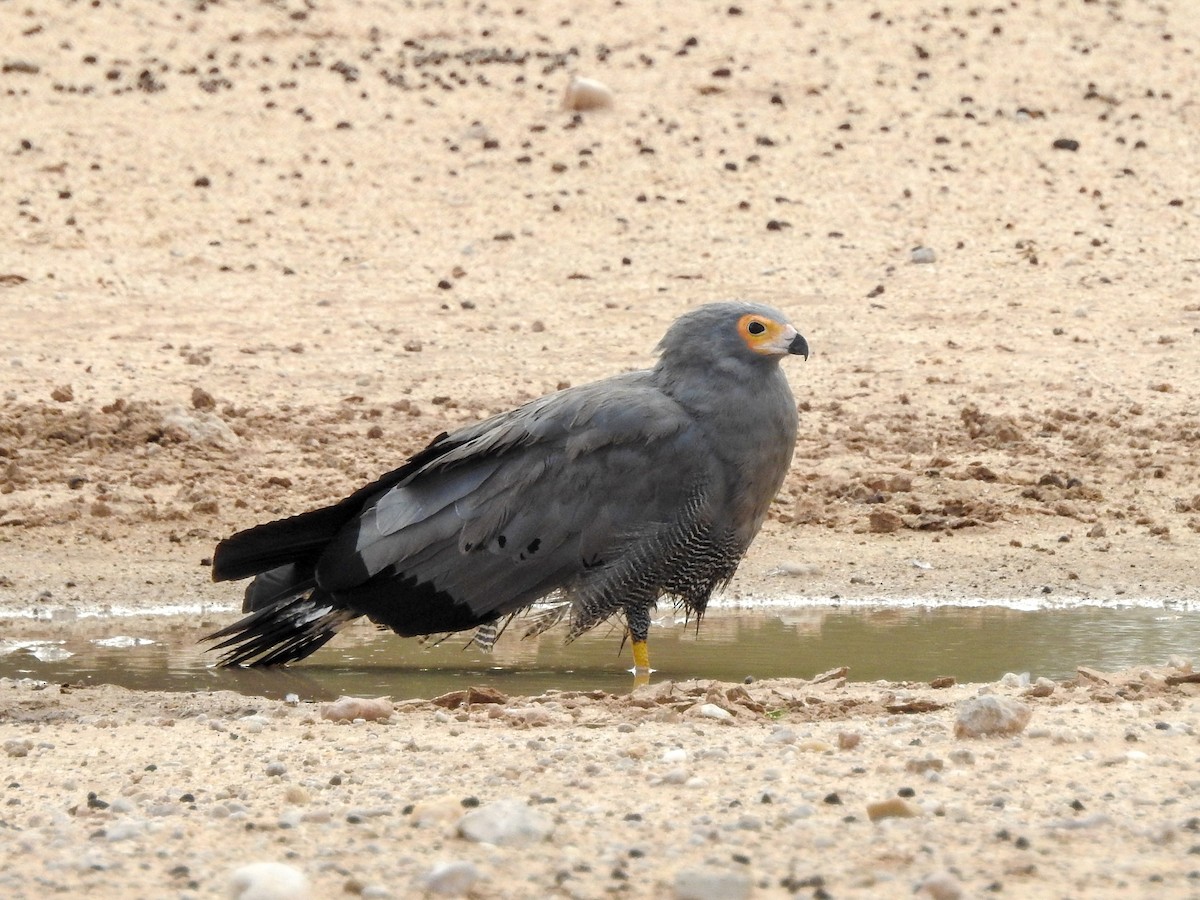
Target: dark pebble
[[1066, 144], [833, 799]]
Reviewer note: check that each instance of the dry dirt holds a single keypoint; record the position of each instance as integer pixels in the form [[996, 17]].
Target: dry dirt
[[253, 254]]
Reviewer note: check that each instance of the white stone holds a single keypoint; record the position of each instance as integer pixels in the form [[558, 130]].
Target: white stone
[[989, 715], [451, 879], [507, 822], [711, 884], [268, 881]]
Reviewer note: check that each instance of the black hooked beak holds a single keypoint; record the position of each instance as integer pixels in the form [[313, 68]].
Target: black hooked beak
[[798, 346]]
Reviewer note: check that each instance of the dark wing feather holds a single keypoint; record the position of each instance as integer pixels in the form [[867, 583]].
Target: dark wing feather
[[303, 537]]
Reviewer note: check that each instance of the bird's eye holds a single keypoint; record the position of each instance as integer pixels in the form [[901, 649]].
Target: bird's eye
[[756, 328]]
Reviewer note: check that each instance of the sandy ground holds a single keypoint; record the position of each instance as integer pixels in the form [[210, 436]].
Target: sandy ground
[[253, 254]]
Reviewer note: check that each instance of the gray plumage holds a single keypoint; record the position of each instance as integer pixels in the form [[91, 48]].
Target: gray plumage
[[607, 496]]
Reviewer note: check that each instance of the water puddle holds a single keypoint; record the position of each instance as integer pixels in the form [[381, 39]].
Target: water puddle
[[907, 643]]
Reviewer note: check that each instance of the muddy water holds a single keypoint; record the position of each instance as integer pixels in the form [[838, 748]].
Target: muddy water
[[900, 644]]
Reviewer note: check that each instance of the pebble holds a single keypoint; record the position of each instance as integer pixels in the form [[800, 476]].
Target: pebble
[[782, 735], [1043, 687], [276, 768], [940, 886], [1013, 680], [506, 823], [451, 879], [583, 94], [201, 427], [923, 255], [892, 808], [18, 747], [962, 757], [347, 709], [123, 831], [268, 881], [712, 711], [711, 884], [989, 715], [921, 766]]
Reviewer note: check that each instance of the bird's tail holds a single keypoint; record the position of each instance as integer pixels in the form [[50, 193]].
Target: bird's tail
[[281, 631]]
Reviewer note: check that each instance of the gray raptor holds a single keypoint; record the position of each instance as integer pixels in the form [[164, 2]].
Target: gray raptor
[[601, 498]]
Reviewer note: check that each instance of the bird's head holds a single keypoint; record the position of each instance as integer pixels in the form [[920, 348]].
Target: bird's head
[[731, 331]]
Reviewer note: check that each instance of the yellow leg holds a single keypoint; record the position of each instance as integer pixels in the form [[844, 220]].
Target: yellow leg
[[641, 657]]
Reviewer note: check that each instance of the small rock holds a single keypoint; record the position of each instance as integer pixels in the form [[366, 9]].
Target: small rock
[[848, 740], [202, 399], [1066, 144], [64, 393], [297, 795], [921, 766], [1043, 687], [892, 808], [268, 881], [885, 521], [711, 884], [276, 768], [18, 746], [940, 886], [991, 715], [346, 709], [506, 823], [962, 757], [586, 93], [123, 831], [1013, 680], [712, 711], [199, 427], [451, 879], [922, 255]]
